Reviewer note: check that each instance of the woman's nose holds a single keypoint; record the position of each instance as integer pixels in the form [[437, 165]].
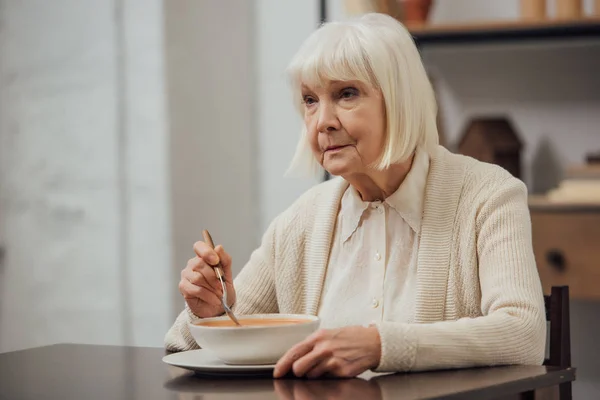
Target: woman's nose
[[328, 119]]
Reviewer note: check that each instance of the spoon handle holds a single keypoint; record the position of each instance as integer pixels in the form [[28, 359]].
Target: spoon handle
[[218, 268], [219, 271]]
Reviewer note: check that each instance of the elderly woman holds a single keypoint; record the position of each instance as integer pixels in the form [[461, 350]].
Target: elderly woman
[[414, 258]]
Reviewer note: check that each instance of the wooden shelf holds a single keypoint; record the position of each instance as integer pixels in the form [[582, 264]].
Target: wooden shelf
[[539, 203], [565, 241], [502, 32]]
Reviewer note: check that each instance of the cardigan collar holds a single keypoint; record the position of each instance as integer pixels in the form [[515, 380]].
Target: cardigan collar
[[439, 211]]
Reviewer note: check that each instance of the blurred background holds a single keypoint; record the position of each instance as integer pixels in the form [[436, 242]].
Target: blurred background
[[129, 126]]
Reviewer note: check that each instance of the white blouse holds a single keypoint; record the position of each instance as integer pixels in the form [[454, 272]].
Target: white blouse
[[371, 275]]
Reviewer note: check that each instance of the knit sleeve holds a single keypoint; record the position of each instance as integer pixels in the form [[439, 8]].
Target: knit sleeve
[[179, 338], [255, 284], [255, 292], [512, 328]]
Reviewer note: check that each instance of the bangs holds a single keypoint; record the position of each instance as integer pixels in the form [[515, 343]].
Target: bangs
[[333, 53]]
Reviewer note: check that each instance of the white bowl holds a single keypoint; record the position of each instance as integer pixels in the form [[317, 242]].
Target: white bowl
[[253, 345]]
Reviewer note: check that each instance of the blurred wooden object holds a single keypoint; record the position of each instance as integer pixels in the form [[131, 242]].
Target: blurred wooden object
[[591, 170], [533, 9], [569, 9], [580, 184], [596, 11], [593, 159], [409, 12], [493, 140], [389, 7], [416, 12], [576, 191], [565, 245], [558, 315], [516, 31]]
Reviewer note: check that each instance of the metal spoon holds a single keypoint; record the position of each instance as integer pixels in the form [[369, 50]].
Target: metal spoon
[[221, 275]]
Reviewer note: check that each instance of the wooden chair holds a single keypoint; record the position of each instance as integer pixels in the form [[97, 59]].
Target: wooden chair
[[557, 313]]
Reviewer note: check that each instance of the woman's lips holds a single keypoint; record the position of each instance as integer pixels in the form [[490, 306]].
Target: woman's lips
[[335, 148]]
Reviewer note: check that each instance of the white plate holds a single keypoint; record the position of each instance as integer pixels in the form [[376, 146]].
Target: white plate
[[206, 363]]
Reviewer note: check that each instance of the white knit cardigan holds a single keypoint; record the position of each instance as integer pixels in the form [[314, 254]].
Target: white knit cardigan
[[479, 298]]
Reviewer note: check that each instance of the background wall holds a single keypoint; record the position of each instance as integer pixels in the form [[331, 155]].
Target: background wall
[[83, 190], [282, 26], [213, 103]]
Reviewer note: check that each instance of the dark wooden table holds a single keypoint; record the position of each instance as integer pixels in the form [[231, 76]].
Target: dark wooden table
[[106, 372]]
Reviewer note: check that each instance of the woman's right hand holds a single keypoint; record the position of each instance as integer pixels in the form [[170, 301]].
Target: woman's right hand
[[199, 284]]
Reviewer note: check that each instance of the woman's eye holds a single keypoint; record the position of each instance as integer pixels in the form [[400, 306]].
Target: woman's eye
[[308, 100], [348, 93]]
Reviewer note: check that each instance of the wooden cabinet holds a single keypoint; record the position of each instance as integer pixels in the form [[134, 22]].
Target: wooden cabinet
[[566, 243]]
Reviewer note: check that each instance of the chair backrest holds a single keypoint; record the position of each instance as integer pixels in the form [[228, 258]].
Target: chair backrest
[[557, 313]]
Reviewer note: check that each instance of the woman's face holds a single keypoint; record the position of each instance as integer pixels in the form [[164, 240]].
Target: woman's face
[[345, 122]]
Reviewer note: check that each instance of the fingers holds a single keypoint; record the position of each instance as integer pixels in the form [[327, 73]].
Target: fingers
[[205, 252], [223, 256], [199, 283], [210, 276], [334, 352], [191, 292], [324, 367], [200, 273], [317, 358], [284, 365], [198, 277], [213, 257], [225, 262]]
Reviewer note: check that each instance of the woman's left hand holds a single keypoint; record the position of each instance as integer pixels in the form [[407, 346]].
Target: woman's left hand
[[344, 352]]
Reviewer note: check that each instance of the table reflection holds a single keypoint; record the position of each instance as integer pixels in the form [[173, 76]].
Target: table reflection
[[368, 386], [331, 389], [188, 386]]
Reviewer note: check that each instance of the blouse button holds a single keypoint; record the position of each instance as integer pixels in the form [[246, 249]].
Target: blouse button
[[375, 303], [377, 256]]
